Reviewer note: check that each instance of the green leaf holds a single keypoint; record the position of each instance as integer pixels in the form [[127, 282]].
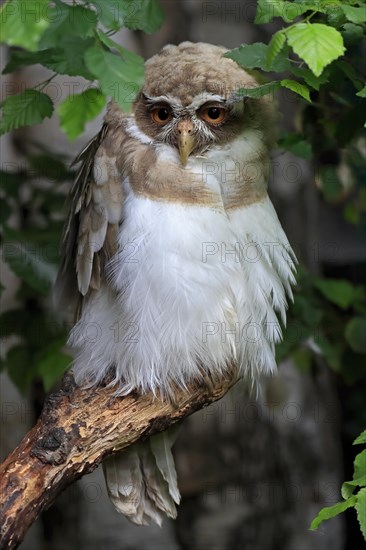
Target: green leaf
[[249, 56], [296, 87], [67, 59], [339, 292], [331, 351], [149, 16], [111, 44], [348, 487], [297, 145], [110, 13], [360, 439], [29, 107], [353, 367], [355, 334], [309, 77], [21, 58], [335, 15], [349, 124], [5, 211], [353, 14], [331, 185], [18, 365], [11, 182], [259, 91], [52, 364], [52, 167], [359, 475], [76, 110], [275, 46], [13, 321], [145, 15], [66, 22], [302, 358], [288, 11], [254, 56], [331, 511], [305, 310], [23, 22], [29, 264], [315, 43], [119, 77], [359, 465], [352, 34], [361, 511], [352, 74], [40, 238], [352, 213], [362, 93]]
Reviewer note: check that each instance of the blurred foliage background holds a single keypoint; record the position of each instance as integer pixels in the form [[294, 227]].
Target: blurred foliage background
[[311, 50]]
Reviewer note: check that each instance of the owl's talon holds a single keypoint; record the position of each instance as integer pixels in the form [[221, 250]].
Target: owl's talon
[[209, 383]]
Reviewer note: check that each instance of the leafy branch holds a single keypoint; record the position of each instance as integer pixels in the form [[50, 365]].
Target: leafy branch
[[75, 41], [351, 499], [316, 44], [319, 57]]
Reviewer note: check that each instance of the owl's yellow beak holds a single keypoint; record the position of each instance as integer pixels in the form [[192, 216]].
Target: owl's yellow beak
[[186, 140]]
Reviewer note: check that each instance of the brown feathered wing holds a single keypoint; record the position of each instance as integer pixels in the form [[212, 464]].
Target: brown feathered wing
[[94, 214]]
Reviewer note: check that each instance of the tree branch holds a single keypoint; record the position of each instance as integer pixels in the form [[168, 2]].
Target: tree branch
[[78, 428]]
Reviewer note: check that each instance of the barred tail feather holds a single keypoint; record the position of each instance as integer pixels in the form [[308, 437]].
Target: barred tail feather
[[142, 481], [161, 446]]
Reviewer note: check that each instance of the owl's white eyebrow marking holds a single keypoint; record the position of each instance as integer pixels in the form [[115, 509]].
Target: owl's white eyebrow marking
[[173, 101], [203, 98]]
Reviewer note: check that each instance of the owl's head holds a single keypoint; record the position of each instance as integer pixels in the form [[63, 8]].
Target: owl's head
[[188, 99]]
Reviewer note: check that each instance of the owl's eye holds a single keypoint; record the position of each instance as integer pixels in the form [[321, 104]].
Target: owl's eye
[[161, 115], [213, 115]]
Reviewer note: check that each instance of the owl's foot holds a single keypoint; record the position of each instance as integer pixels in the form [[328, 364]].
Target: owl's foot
[[208, 382]]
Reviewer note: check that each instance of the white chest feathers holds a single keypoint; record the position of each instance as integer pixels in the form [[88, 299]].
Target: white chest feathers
[[191, 290]]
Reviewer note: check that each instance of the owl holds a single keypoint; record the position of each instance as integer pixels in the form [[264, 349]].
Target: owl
[[173, 257]]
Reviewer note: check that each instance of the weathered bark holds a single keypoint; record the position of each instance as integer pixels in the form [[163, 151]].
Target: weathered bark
[[77, 429]]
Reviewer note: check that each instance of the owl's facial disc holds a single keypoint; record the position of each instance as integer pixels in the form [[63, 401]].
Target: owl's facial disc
[[192, 127]]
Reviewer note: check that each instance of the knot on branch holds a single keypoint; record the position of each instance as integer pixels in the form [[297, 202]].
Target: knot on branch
[[53, 448]]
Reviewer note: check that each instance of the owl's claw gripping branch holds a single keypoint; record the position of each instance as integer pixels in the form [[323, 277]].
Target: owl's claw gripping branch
[[77, 430]]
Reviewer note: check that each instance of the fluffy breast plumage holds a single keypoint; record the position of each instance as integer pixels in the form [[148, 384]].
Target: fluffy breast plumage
[[191, 289]]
